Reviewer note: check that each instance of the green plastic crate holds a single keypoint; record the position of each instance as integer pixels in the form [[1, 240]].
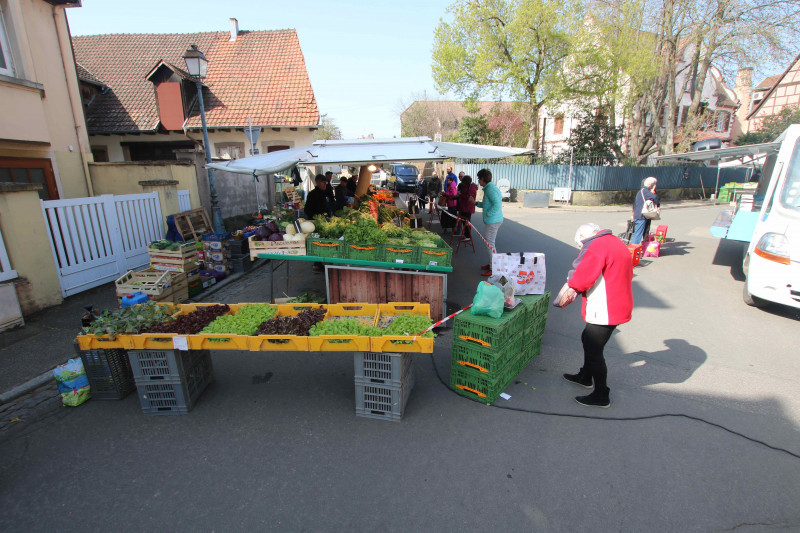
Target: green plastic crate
[[325, 247], [393, 253], [495, 332], [490, 360], [483, 387], [440, 256], [363, 252]]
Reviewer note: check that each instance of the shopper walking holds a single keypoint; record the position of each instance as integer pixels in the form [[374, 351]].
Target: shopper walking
[[466, 203], [602, 274], [642, 224], [492, 206]]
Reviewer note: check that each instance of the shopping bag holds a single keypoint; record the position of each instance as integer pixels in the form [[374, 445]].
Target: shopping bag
[[488, 301], [650, 210], [527, 269], [72, 382], [653, 249]]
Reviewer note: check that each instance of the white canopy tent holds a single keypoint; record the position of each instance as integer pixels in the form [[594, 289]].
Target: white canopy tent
[[364, 152]]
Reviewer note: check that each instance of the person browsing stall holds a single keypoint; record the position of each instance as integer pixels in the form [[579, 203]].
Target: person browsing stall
[[434, 188], [602, 274], [317, 201], [492, 206], [466, 203]]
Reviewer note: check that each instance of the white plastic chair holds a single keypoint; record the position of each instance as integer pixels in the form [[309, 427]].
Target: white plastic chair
[[505, 187]]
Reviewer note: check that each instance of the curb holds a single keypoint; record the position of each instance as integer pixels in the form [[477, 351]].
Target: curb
[[230, 279], [21, 390]]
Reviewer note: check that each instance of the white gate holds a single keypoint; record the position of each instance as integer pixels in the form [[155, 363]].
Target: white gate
[[96, 240], [6, 272], [184, 201]]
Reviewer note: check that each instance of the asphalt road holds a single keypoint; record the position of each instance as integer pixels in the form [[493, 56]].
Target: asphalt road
[[288, 454]]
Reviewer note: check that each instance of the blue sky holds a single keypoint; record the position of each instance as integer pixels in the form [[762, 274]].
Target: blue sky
[[363, 59]]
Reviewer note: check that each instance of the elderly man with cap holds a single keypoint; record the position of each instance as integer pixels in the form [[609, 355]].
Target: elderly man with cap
[[641, 224], [602, 274]]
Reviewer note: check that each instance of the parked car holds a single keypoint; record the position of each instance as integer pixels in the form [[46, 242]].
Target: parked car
[[405, 177]]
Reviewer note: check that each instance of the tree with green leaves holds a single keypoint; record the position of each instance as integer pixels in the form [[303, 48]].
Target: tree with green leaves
[[595, 140], [328, 130], [771, 127], [512, 48]]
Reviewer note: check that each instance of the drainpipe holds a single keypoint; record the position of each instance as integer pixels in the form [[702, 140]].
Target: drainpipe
[[70, 92]]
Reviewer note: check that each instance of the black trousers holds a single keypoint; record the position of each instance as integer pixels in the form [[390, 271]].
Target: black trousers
[[594, 339], [467, 228]]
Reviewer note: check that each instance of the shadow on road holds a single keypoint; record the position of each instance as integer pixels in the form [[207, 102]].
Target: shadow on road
[[730, 253], [676, 363]]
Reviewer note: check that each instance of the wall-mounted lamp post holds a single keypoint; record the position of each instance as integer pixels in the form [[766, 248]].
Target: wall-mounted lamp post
[[197, 65]]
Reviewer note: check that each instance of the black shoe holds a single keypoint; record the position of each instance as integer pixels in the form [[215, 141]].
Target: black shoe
[[595, 399], [578, 379]]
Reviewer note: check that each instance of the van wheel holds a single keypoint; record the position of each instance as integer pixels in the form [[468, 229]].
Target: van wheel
[[751, 300]]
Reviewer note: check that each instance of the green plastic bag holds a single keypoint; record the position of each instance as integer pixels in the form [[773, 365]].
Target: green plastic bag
[[488, 301]]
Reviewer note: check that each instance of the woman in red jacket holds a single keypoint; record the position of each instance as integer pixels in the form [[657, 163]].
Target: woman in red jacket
[[603, 275]]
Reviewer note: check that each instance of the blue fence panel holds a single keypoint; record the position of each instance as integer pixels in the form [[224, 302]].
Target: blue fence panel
[[546, 177]]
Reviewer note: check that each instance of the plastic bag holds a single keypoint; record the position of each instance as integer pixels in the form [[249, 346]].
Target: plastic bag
[[488, 301], [72, 382], [506, 284], [653, 249]]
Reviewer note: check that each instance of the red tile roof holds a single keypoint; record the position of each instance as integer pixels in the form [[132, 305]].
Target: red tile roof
[[768, 83], [260, 75]]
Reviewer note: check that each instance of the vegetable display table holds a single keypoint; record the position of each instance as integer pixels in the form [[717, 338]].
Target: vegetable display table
[[377, 281]]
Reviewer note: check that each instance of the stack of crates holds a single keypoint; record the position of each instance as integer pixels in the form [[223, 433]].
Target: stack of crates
[[169, 382], [217, 252], [240, 255], [488, 353], [383, 384], [109, 372]]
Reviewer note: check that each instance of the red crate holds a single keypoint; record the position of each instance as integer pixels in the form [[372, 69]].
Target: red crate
[[636, 253], [661, 233]]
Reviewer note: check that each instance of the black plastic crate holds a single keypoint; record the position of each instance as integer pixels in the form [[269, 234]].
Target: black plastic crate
[[243, 264], [163, 365], [381, 367], [177, 397], [383, 402], [109, 372]]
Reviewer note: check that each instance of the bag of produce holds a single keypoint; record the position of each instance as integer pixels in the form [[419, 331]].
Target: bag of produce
[[72, 382], [488, 301]]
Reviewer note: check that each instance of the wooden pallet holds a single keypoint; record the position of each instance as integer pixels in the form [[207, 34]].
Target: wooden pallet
[[193, 224], [291, 194]]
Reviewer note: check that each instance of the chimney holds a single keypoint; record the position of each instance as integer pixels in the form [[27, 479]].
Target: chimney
[[235, 30], [743, 90]]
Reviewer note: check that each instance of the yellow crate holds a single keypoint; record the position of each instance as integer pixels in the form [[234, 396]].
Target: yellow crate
[[388, 343], [218, 341], [94, 342], [266, 343], [296, 309], [323, 343], [153, 341], [352, 310]]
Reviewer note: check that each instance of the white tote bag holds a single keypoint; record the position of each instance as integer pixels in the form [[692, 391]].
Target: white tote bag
[[650, 210], [526, 269]]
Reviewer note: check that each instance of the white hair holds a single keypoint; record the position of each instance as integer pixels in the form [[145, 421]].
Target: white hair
[[649, 182], [585, 231]]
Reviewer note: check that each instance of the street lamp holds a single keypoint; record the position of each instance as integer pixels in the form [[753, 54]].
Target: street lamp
[[197, 65]]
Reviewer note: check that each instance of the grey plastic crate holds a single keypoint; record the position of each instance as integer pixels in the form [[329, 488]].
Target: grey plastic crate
[[383, 402], [382, 368], [109, 372], [173, 397], [163, 365]]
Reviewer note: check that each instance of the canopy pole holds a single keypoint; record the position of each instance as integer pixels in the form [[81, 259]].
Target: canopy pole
[[716, 187]]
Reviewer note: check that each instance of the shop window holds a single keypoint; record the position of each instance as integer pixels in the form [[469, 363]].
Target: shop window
[[229, 150], [558, 125], [33, 171], [6, 63]]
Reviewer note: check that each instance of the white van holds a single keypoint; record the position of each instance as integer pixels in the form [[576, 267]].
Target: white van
[[772, 261]]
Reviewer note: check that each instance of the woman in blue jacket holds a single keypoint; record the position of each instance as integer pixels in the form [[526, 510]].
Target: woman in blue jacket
[[641, 224], [492, 206]]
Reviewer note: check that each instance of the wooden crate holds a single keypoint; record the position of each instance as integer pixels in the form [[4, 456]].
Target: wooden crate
[[150, 282], [276, 247], [186, 249], [193, 223]]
